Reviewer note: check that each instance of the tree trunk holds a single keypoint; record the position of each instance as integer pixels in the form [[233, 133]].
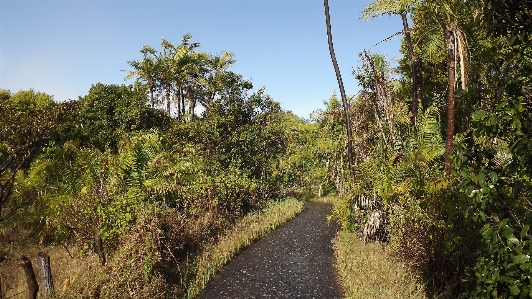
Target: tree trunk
[[192, 102], [168, 99], [449, 35], [183, 108], [415, 66], [98, 246], [152, 101], [33, 287], [178, 104], [341, 86], [46, 274]]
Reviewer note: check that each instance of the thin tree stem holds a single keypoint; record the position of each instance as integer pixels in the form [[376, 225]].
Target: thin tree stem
[[341, 86]]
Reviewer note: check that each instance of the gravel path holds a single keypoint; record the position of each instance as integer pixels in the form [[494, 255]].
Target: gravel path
[[294, 261]]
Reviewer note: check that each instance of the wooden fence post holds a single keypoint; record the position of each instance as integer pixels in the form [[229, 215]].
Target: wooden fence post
[[3, 290], [46, 274], [33, 287], [98, 246]]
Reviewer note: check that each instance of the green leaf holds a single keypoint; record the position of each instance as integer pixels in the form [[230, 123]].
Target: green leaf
[[485, 231], [502, 223], [508, 234], [514, 290], [519, 259], [512, 239], [501, 105], [493, 176], [524, 231], [516, 124], [479, 115]]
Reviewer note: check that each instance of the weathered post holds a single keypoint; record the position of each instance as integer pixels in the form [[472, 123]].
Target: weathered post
[[46, 274], [33, 287], [3, 290], [98, 246]]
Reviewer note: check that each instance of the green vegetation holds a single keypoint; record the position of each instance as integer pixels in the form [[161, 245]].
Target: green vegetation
[[440, 148], [158, 187], [79, 276], [372, 271], [442, 151]]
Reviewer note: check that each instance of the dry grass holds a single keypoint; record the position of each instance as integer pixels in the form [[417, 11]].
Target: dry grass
[[81, 276], [326, 199], [67, 271], [245, 232], [371, 271]]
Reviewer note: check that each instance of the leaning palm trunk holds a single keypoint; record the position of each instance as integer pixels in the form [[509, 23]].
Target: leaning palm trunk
[[341, 86]]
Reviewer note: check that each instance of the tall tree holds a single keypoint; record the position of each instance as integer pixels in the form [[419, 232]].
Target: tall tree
[[146, 70], [456, 52], [182, 64], [27, 121], [445, 14], [380, 7], [341, 86], [214, 82], [450, 37]]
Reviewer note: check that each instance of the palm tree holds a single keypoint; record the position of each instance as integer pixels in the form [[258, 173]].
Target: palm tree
[[380, 7], [218, 65], [341, 86], [456, 52], [443, 13], [181, 64], [145, 70], [165, 71]]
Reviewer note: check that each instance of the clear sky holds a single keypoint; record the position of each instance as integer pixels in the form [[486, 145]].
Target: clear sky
[[63, 47]]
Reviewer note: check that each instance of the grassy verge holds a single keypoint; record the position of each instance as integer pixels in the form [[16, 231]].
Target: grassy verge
[[245, 232], [371, 271], [77, 273]]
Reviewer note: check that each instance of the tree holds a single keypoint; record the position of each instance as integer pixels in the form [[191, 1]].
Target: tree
[[379, 7], [341, 86], [444, 13], [109, 111], [455, 47], [27, 120], [214, 83], [146, 70]]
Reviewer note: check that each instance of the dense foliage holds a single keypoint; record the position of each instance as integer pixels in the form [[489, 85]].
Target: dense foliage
[[441, 149], [451, 189], [156, 186]]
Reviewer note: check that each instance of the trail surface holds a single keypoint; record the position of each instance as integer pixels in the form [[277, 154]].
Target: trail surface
[[294, 261]]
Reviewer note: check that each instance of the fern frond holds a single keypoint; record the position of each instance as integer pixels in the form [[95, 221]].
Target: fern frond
[[382, 7]]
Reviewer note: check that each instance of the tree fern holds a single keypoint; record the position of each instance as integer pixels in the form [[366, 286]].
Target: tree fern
[[381, 7]]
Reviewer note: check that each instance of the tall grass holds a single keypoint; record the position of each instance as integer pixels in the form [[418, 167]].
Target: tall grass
[[371, 271], [248, 230]]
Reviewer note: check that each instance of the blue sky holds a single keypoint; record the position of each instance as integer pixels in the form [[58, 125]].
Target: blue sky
[[63, 47]]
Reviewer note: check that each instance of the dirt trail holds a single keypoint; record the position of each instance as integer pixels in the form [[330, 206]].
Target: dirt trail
[[294, 261]]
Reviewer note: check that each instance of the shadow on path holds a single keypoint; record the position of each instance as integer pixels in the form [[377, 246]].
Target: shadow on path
[[294, 261]]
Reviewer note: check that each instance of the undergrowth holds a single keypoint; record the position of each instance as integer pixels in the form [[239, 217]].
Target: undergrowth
[[131, 270], [371, 271]]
